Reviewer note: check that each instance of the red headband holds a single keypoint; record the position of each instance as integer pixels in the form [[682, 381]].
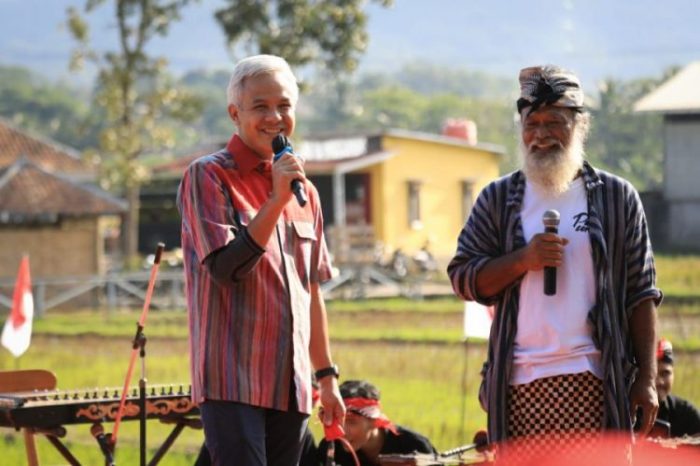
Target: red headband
[[664, 351], [371, 409]]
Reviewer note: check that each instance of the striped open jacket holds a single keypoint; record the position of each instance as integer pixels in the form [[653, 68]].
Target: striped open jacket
[[624, 273]]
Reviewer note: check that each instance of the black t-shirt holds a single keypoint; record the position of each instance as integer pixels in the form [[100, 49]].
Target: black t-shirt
[[308, 450], [681, 414], [405, 442]]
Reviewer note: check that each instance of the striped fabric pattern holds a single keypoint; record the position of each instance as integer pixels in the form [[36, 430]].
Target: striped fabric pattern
[[625, 276], [249, 338]]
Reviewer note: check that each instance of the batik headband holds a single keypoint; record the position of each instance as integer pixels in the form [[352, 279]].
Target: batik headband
[[549, 85], [664, 351]]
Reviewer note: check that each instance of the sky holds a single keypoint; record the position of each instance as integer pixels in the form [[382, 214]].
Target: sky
[[623, 39]]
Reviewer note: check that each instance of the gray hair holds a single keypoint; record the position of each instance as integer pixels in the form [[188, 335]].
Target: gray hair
[[254, 66], [582, 122]]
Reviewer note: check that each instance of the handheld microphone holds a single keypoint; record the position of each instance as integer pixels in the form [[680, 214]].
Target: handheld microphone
[[98, 432], [551, 225], [280, 146]]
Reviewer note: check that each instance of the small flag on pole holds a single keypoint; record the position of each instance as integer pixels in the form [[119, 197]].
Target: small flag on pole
[[17, 333], [477, 320]]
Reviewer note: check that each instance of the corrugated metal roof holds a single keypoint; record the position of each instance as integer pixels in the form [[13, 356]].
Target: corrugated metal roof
[[333, 149], [27, 193], [324, 153], [343, 148], [178, 165], [680, 94]]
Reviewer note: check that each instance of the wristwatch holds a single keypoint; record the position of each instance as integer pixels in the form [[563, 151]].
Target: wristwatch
[[326, 371]]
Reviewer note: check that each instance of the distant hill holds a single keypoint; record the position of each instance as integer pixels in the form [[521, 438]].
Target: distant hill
[[597, 38], [623, 39]]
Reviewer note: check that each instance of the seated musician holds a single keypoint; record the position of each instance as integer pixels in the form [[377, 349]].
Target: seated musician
[[369, 431], [681, 414]]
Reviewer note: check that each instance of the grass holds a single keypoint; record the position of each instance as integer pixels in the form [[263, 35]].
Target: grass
[[421, 384], [433, 305], [425, 321], [420, 372], [122, 323], [421, 388], [410, 348], [358, 321], [678, 275], [397, 326], [85, 362]]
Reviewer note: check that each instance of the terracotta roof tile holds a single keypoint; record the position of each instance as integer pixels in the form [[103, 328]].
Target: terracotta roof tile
[[177, 166], [49, 155], [28, 192]]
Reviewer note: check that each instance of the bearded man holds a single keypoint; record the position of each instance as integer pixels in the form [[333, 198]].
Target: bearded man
[[581, 361]]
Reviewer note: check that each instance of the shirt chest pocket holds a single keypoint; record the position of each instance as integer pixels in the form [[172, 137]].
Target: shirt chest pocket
[[301, 244]]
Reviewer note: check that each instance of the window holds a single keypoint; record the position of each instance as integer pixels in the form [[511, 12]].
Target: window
[[414, 217], [467, 198]]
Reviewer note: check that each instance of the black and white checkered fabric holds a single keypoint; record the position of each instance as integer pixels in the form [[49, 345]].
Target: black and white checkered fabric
[[561, 413]]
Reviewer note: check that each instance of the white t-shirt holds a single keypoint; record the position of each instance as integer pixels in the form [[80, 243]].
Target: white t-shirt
[[554, 336]]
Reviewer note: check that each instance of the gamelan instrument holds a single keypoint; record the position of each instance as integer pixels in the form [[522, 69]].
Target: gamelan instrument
[[54, 408], [477, 452], [423, 459], [48, 411]]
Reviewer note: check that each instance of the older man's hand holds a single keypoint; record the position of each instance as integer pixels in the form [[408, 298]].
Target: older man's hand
[[643, 395]]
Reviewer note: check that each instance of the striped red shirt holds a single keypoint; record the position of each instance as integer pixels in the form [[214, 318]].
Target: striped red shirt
[[250, 337]]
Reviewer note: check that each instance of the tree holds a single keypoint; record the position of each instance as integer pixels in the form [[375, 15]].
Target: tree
[[329, 32], [624, 142], [52, 109], [208, 86], [136, 95]]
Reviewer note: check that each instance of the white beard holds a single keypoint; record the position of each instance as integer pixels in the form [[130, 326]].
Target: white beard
[[553, 171]]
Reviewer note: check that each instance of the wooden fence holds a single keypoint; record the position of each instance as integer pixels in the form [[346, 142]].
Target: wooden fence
[[357, 277]]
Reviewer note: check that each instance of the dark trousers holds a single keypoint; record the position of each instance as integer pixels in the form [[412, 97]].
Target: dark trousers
[[244, 435]]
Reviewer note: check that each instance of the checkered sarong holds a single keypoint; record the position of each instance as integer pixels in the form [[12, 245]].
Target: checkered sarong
[[563, 414]]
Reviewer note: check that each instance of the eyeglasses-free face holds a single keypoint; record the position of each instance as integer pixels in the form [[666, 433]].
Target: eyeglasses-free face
[[548, 129], [266, 109]]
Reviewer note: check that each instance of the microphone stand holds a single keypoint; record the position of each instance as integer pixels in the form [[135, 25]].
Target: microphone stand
[[139, 346]]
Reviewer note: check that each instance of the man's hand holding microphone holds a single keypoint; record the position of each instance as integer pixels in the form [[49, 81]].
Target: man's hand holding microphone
[[287, 169], [546, 251]]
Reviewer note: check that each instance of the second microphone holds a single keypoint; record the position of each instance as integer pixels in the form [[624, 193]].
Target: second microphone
[[551, 225]]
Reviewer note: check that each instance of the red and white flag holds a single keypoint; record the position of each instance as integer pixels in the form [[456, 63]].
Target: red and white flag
[[17, 333], [477, 320]]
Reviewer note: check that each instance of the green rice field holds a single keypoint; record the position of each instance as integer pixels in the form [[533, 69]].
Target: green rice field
[[412, 350]]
